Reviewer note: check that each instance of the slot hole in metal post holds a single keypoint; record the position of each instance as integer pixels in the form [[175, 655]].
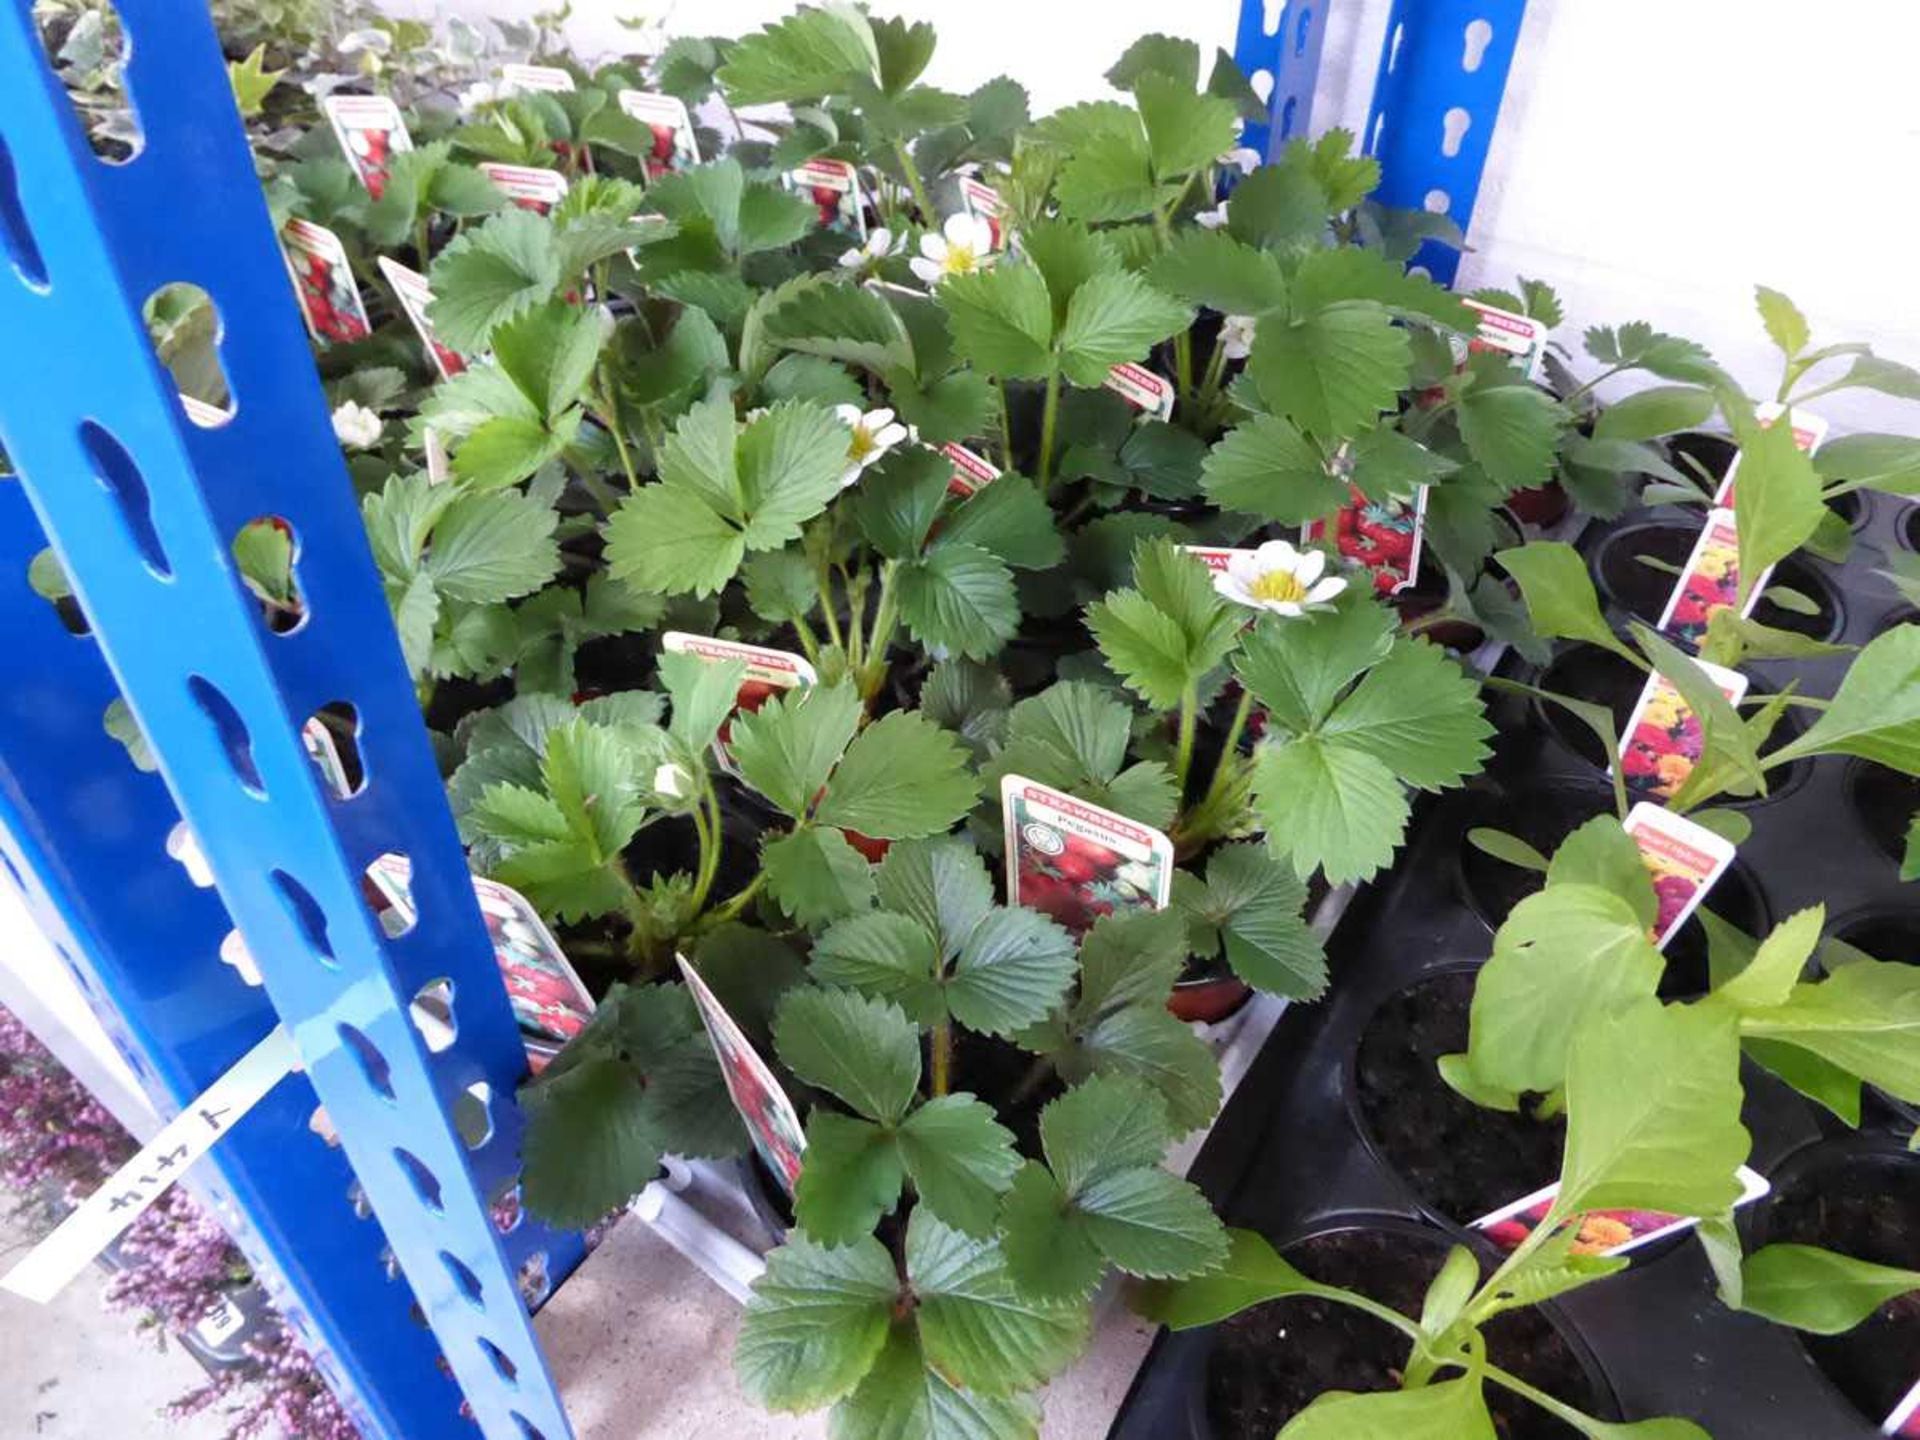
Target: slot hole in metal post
[[265, 552], [88, 49], [113, 467], [372, 1063], [185, 327], [306, 913], [16, 236], [232, 731]]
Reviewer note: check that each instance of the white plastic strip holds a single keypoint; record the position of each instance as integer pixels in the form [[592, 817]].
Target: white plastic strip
[[105, 1215]]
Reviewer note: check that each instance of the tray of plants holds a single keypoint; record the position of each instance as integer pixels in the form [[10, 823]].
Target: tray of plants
[[1486, 1043], [927, 615]]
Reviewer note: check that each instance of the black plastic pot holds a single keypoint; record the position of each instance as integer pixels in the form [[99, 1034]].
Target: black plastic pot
[[1859, 1196], [1642, 590], [1261, 1367], [1296, 1153]]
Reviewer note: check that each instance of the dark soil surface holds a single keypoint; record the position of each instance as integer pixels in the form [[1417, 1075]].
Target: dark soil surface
[[1886, 801], [1460, 1159], [1867, 1206], [1269, 1362], [1644, 590], [1586, 672], [1545, 816]]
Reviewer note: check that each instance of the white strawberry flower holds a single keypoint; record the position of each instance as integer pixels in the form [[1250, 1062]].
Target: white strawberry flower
[[880, 244], [964, 245], [1212, 219], [874, 433], [1279, 578], [670, 780], [1236, 336], [481, 92], [1244, 159], [357, 427]]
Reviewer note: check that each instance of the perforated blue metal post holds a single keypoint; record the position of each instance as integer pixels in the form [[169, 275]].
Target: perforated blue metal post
[[141, 507], [1436, 100], [1282, 43]]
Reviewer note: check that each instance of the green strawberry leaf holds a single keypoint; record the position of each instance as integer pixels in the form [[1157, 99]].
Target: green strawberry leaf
[[816, 876]]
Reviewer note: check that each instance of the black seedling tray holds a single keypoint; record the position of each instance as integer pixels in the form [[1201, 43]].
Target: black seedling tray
[[1292, 1156]]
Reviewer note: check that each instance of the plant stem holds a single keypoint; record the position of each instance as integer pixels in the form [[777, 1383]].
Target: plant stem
[[610, 407], [421, 234], [1183, 365], [1189, 720], [942, 1057], [825, 586], [1601, 378], [706, 826], [1230, 752], [885, 616], [809, 642], [738, 901], [1006, 428], [1049, 417], [914, 182], [1566, 1413]]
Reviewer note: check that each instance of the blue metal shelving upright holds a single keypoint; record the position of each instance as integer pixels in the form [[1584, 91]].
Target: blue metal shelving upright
[[390, 1251], [416, 1312], [1436, 95]]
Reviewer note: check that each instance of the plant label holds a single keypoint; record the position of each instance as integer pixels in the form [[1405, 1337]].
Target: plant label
[[202, 414], [770, 1118], [317, 741], [371, 133], [411, 288], [769, 673], [971, 472], [439, 466], [520, 79], [1602, 1232], [106, 1215], [550, 1003], [1663, 740], [1505, 333], [1076, 862], [323, 282], [675, 146], [1686, 860], [1710, 582], [1383, 537], [1147, 392], [983, 202], [834, 188], [1215, 557], [1905, 1419], [1809, 430], [529, 188]]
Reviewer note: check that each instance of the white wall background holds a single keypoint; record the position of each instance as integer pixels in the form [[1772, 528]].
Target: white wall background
[[1654, 158]]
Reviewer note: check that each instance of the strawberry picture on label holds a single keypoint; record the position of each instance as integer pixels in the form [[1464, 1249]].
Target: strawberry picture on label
[[1076, 862], [675, 146], [1385, 537], [410, 288], [323, 281], [834, 188], [371, 132]]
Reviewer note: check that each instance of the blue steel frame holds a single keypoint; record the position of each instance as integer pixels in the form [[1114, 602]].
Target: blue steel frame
[[1288, 54], [1436, 101], [1436, 97], [141, 506]]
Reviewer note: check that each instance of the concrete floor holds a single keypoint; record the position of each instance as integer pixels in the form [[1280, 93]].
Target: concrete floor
[[72, 1370]]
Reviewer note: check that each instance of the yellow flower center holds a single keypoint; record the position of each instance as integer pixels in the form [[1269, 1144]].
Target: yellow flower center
[[961, 260], [1278, 585], [863, 443]]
